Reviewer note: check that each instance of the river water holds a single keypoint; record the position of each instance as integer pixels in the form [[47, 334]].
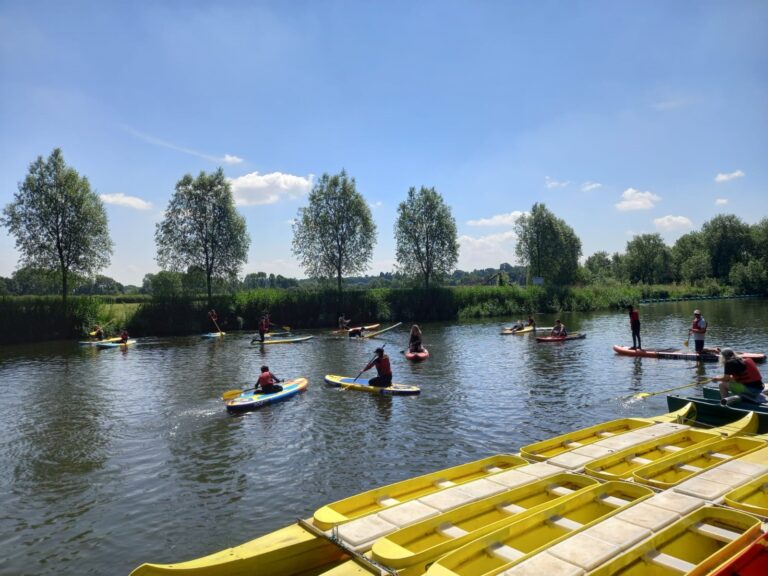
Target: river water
[[112, 458]]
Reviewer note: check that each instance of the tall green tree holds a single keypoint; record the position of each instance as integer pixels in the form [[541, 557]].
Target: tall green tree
[[425, 233], [648, 259], [728, 240], [202, 228], [334, 235], [58, 222], [547, 246], [598, 266]]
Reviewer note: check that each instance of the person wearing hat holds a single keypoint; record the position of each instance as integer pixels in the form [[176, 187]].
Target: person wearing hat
[[698, 329], [740, 376], [383, 369]]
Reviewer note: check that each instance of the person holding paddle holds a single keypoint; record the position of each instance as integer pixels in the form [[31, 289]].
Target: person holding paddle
[[124, 336], [98, 332], [383, 378], [558, 330], [698, 329], [740, 376], [264, 325], [343, 322], [267, 383]]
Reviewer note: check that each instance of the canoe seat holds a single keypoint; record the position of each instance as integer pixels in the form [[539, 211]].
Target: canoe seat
[[504, 552], [571, 444], [715, 532], [719, 455], [670, 448], [638, 460], [669, 562], [387, 501], [613, 501], [688, 468], [564, 523], [509, 508], [491, 469], [605, 434], [450, 530], [443, 483], [559, 490]]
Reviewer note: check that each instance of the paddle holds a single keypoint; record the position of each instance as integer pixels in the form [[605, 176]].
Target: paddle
[[685, 342], [229, 394], [648, 394], [371, 360], [214, 322]]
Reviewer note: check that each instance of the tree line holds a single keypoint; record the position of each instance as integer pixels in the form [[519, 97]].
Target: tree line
[[61, 232]]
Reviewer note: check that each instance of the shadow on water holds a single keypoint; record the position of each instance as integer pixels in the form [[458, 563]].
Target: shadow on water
[[114, 458]]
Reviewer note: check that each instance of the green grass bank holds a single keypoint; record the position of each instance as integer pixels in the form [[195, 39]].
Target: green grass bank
[[36, 318]]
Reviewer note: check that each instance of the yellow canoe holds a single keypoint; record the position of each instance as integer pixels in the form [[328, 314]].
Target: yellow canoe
[[500, 550], [553, 446]]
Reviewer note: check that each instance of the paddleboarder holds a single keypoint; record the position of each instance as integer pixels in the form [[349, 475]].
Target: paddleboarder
[[356, 332], [698, 329], [558, 330], [531, 322], [343, 322], [267, 383], [634, 324], [414, 342], [740, 376], [383, 378], [124, 336]]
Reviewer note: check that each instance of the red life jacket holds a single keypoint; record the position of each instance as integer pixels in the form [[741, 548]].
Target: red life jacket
[[382, 366], [263, 325], [749, 376], [634, 316], [265, 379]]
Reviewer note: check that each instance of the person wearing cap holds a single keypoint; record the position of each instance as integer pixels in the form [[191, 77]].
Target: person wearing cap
[[383, 369], [740, 376], [698, 329]]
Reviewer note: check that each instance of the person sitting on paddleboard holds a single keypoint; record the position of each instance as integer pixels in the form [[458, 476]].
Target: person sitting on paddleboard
[[383, 369], [343, 321], [740, 376], [517, 326], [531, 322], [356, 332], [267, 382], [98, 332], [558, 330], [414, 342], [124, 336]]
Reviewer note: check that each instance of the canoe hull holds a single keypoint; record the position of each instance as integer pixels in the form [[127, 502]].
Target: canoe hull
[[361, 385], [250, 401]]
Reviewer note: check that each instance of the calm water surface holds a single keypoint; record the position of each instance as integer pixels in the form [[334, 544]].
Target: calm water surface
[[110, 459]]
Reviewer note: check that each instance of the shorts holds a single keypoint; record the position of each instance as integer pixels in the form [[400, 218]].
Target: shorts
[[750, 392]]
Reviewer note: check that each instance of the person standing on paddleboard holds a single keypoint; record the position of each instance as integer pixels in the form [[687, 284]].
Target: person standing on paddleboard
[[698, 329], [634, 324], [343, 321], [267, 382], [740, 376], [383, 369]]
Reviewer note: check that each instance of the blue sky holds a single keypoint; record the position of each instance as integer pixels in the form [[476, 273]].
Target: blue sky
[[623, 118]]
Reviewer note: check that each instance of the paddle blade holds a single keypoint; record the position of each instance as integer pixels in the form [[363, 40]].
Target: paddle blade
[[685, 343], [287, 328], [229, 394], [642, 395]]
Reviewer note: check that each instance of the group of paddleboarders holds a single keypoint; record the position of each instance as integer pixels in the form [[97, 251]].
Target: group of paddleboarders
[[519, 324], [698, 330]]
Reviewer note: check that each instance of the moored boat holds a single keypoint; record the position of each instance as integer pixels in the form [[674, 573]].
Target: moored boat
[[361, 385], [709, 354], [752, 561], [710, 412], [500, 550], [250, 400]]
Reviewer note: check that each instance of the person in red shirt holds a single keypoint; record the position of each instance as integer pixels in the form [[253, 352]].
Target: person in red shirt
[[383, 369], [634, 324], [264, 325], [267, 382], [740, 376]]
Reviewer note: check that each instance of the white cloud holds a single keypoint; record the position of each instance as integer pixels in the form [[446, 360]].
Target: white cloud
[[120, 199], [552, 183], [377, 204], [720, 178], [589, 185], [672, 223], [721, 201], [486, 251], [228, 159], [255, 189], [498, 219], [636, 200]]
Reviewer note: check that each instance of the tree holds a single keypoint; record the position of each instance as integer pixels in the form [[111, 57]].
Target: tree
[[598, 266], [334, 235], [648, 259], [202, 228], [58, 222], [548, 246], [425, 233], [728, 241]]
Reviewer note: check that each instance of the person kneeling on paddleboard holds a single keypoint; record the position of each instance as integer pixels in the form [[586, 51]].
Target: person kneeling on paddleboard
[[267, 382], [740, 376], [559, 329], [383, 369], [414, 341]]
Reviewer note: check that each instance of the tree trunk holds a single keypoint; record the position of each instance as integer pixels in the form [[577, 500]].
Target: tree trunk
[[208, 285], [64, 288]]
